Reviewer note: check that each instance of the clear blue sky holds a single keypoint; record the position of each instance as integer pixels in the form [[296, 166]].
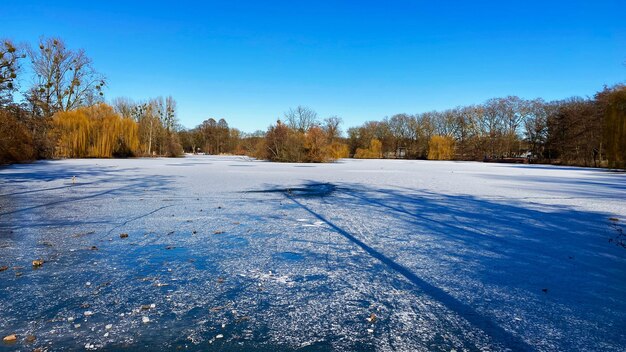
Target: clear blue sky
[[249, 61]]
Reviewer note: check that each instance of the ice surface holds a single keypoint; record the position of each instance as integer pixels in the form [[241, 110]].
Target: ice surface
[[228, 253]]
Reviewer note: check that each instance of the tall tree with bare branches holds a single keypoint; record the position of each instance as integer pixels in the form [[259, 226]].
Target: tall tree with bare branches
[[10, 55], [301, 118], [65, 79]]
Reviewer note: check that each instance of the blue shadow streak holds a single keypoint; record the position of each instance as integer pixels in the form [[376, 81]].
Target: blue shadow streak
[[496, 332]]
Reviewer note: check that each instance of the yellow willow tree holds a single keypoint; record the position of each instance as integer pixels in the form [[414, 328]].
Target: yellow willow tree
[[441, 148], [95, 131], [336, 150], [375, 151], [72, 131]]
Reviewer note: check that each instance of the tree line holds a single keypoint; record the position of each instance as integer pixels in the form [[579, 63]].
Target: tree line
[[574, 131], [62, 113]]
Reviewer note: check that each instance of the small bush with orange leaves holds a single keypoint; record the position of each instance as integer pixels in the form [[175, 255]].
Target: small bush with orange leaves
[[315, 145], [285, 144]]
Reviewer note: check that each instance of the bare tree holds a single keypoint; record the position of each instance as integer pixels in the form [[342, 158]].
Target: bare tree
[[575, 131], [401, 132], [65, 79], [331, 127], [10, 55], [491, 125], [536, 126], [466, 118], [222, 135], [445, 122], [148, 117], [170, 114], [125, 107], [301, 118]]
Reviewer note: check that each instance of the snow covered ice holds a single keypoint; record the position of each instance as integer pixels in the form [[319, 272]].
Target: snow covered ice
[[230, 253]]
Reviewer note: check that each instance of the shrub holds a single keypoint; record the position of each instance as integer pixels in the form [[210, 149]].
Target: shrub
[[16, 141]]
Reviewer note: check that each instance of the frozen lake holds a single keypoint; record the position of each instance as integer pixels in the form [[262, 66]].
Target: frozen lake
[[232, 254]]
